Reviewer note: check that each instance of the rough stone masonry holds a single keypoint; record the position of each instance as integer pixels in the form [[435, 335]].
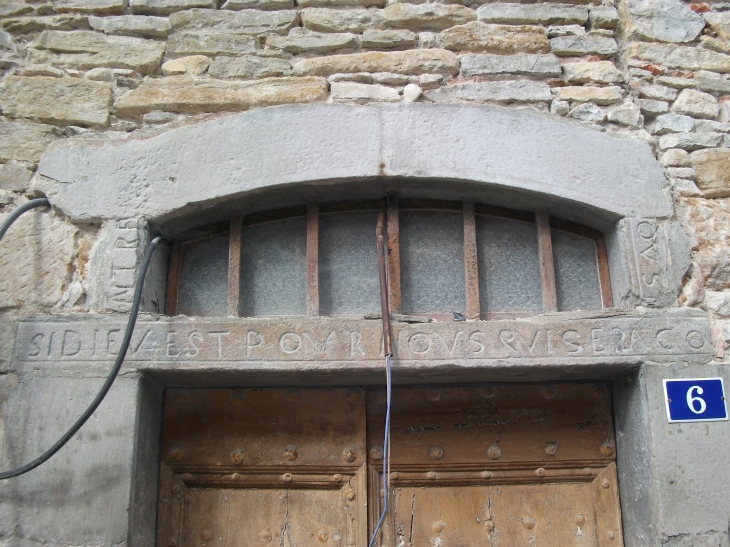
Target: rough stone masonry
[[656, 71]]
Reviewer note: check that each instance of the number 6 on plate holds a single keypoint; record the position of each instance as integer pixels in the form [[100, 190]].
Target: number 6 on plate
[[695, 400]]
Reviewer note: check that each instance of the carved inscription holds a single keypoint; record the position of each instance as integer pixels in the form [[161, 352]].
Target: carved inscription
[[123, 264], [648, 263], [315, 340]]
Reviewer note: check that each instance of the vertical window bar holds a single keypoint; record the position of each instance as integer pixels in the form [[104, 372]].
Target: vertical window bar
[[173, 279], [234, 266], [312, 258], [394, 293], [471, 266], [603, 275], [547, 266]]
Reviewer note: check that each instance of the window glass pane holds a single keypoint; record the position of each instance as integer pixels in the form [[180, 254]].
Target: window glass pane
[[203, 283], [348, 267], [432, 262], [576, 272], [509, 266], [274, 268]]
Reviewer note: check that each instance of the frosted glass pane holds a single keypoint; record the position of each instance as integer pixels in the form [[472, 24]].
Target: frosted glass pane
[[576, 272], [274, 268], [432, 262], [509, 266], [203, 282], [348, 267]]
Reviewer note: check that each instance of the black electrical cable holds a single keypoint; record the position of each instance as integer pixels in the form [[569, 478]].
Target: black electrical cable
[[27, 206], [112, 375]]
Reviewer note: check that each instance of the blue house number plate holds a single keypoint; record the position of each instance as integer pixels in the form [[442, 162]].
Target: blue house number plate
[[695, 400]]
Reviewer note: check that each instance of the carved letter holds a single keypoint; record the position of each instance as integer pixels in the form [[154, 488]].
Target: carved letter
[[110, 340], [68, 341], [36, 351], [194, 338], [596, 334], [290, 342], [323, 347], [695, 339], [472, 340], [219, 334], [452, 347], [572, 340], [507, 337], [253, 340], [356, 343], [419, 343], [618, 340], [663, 339], [172, 351]]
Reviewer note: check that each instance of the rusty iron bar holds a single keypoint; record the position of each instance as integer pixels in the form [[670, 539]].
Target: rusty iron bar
[[384, 307]]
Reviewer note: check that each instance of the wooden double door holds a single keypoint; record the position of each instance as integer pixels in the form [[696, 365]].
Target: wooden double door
[[509, 465]]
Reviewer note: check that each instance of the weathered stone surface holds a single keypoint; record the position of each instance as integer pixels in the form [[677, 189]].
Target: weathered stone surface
[[565, 30], [583, 45], [41, 70], [132, 25], [712, 85], [14, 176], [90, 6], [244, 22], [44, 245], [675, 157], [248, 66], [481, 37], [603, 17], [213, 43], [713, 171], [9, 9], [719, 22], [659, 92], [340, 3], [300, 40], [715, 44], [587, 112], [522, 63], [166, 7], [353, 91], [690, 141], [500, 91], [672, 123], [180, 94], [195, 64], [258, 4], [601, 72], [674, 56], [533, 14], [90, 49], [706, 221], [697, 104], [403, 62], [598, 95], [650, 107], [411, 93], [718, 302], [22, 141], [386, 39], [428, 16], [340, 20], [430, 81], [157, 116], [626, 113], [57, 100], [660, 20], [24, 25]]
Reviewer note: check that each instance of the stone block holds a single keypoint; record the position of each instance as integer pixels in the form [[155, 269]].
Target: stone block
[[195, 65], [237, 5], [597, 95], [41, 70], [166, 7], [83, 49], [411, 93], [718, 302], [603, 17], [301, 40], [672, 123], [697, 104], [583, 45], [210, 43], [132, 25], [249, 66], [690, 141], [711, 126], [90, 6], [684, 57], [626, 113], [428, 16], [36, 260], [11, 9], [430, 81], [712, 85], [650, 107], [244, 22], [715, 44], [660, 20], [533, 14], [587, 112], [353, 91], [23, 141], [713, 171], [600, 72], [180, 94], [26, 25], [386, 39], [521, 63], [499, 91], [659, 92], [341, 20], [14, 176], [340, 3], [69, 101], [157, 117], [478, 37], [675, 157], [417, 61], [719, 22]]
